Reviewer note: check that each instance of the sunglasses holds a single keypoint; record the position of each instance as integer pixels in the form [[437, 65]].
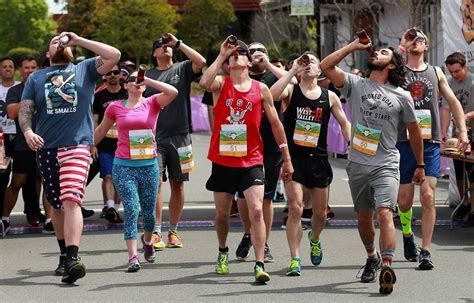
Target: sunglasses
[[243, 52], [113, 72], [131, 79], [253, 50]]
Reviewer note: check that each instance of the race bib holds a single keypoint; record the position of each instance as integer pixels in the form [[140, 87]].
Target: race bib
[[306, 133], [366, 140], [233, 140], [186, 159], [141, 144], [112, 132], [424, 121]]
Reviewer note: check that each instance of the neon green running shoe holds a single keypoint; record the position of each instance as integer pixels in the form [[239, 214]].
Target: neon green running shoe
[[260, 275], [316, 252], [222, 265], [158, 241], [295, 267]]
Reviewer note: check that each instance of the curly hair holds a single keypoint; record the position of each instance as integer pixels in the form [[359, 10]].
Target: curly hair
[[396, 76]]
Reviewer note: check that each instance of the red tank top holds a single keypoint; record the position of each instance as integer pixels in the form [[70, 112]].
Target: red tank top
[[235, 112]]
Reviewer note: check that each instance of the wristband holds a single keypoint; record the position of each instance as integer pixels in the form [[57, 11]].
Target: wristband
[[420, 166], [178, 43], [282, 145], [402, 48]]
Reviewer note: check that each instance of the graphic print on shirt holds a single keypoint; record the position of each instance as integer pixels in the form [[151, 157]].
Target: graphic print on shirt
[[307, 128], [233, 136], [60, 92], [421, 90]]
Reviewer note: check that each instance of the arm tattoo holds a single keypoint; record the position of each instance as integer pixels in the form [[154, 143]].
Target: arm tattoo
[[25, 115], [99, 62]]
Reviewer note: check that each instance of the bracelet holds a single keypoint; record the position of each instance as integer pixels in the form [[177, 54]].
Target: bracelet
[[420, 166], [282, 145], [178, 43], [402, 48]]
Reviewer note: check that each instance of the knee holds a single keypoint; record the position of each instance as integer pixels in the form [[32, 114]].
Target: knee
[[222, 217], [295, 209], [70, 205], [256, 214], [427, 199], [385, 216]]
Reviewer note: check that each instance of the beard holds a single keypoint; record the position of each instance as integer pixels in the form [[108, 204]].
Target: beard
[[62, 57], [379, 66], [257, 69]]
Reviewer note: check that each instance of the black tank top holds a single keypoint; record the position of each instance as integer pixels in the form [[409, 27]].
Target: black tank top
[[307, 113]]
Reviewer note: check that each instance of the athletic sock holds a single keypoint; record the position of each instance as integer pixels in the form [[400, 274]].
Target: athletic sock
[[260, 264], [224, 250], [71, 252], [6, 219], [110, 204], [387, 256], [405, 218], [62, 246], [117, 206], [157, 229], [173, 228], [371, 250]]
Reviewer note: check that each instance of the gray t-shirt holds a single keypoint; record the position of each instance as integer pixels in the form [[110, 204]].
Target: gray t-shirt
[[464, 93], [175, 118], [377, 110]]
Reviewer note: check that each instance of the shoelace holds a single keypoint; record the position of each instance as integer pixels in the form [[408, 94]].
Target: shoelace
[[368, 266], [294, 264], [315, 249]]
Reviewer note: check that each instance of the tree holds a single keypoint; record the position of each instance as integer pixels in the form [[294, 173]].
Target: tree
[[80, 17], [25, 23], [205, 22], [133, 25]]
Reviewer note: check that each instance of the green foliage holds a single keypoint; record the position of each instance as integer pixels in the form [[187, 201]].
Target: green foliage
[[80, 17], [133, 25], [17, 53], [205, 22], [24, 23]]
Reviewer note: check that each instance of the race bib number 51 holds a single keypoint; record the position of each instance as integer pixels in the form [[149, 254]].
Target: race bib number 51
[[233, 140]]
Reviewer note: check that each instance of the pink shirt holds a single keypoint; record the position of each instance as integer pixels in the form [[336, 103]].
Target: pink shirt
[[144, 117]]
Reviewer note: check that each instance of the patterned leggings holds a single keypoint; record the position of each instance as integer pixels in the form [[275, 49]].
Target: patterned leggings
[[137, 185]]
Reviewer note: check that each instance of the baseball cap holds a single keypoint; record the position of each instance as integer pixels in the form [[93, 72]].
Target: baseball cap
[[452, 145], [244, 47], [158, 43]]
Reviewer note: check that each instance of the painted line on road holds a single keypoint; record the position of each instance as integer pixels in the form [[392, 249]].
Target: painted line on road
[[22, 230]]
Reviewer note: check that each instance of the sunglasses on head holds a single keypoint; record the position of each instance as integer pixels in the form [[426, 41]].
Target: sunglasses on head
[[113, 72], [260, 49]]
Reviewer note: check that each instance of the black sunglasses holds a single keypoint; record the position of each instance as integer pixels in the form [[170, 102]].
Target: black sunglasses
[[243, 52], [113, 72], [131, 79], [253, 50]]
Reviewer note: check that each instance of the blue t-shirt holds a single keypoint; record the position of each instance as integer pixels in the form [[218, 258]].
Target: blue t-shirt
[[63, 97]]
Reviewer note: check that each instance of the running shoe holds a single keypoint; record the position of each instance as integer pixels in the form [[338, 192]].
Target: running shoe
[[294, 269], [103, 212], [158, 240], [372, 265], [243, 250], [410, 249], [424, 260], [173, 240], [113, 216], [279, 197], [222, 264], [329, 213], [267, 255], [73, 271], [59, 271], [470, 221], [48, 228], [149, 253], [33, 220], [316, 252], [86, 213], [5, 226], [386, 280], [260, 275], [307, 214], [133, 264], [462, 211]]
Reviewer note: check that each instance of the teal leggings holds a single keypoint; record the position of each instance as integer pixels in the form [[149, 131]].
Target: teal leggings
[[137, 186]]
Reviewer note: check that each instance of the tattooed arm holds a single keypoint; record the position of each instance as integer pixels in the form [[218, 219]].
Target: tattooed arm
[[25, 116]]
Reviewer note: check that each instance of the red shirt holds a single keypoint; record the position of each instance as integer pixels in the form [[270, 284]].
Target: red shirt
[[238, 108]]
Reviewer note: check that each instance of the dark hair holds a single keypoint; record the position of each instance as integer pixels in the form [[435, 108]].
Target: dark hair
[[396, 76], [279, 59], [454, 58], [7, 58], [27, 58]]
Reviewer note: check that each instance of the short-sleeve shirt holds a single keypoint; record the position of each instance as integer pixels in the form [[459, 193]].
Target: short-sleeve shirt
[[143, 117], [381, 107], [176, 117], [63, 97], [464, 92], [102, 100], [7, 125], [14, 97]]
